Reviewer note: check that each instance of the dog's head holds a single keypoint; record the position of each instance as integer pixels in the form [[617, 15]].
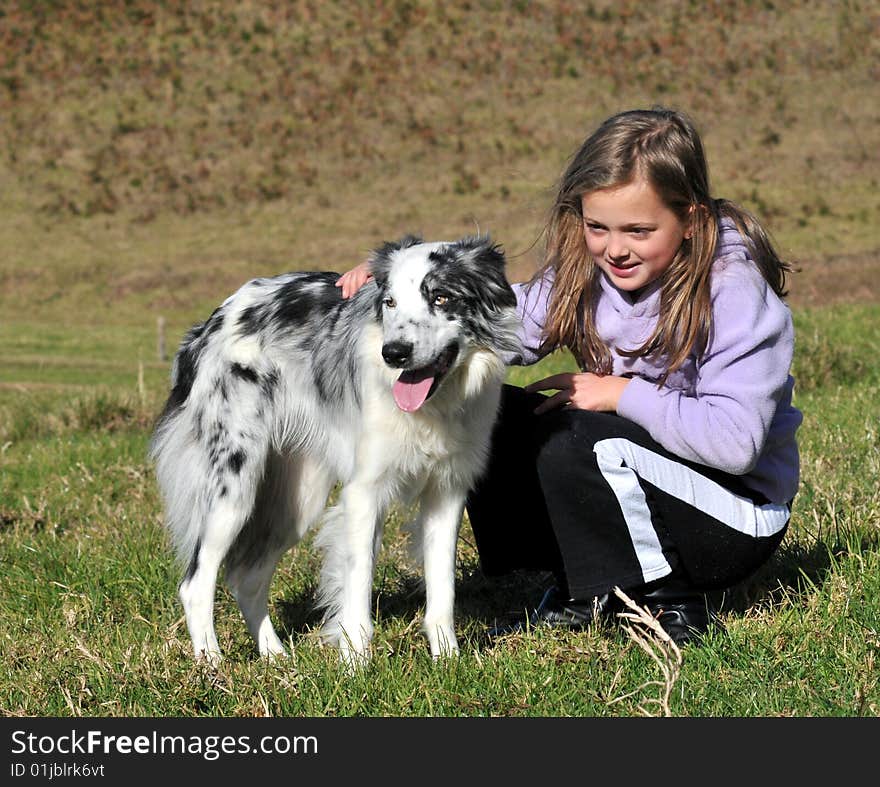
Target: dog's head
[[437, 301]]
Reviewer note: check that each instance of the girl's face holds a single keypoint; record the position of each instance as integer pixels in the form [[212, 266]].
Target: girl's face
[[632, 236]]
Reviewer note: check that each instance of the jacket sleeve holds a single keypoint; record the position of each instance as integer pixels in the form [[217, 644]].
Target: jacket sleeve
[[531, 305], [723, 422]]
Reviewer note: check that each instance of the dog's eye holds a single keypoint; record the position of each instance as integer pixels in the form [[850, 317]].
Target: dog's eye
[[390, 302], [441, 300]]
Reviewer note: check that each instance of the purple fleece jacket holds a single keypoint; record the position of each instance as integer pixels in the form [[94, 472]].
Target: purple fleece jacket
[[730, 409]]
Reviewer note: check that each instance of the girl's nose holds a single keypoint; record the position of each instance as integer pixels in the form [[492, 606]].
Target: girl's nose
[[617, 248]]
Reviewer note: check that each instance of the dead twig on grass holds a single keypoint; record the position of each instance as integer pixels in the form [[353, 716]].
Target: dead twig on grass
[[649, 635]]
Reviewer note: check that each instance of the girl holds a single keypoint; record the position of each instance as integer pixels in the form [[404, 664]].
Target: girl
[[668, 465]]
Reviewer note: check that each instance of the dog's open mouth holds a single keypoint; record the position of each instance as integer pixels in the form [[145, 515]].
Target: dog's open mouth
[[415, 386]]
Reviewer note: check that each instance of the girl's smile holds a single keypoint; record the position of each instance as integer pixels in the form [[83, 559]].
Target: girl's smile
[[631, 234]]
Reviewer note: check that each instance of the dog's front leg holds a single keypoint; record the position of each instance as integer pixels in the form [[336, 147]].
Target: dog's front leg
[[360, 535], [440, 518]]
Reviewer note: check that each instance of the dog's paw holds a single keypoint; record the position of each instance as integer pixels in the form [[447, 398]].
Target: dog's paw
[[209, 657], [354, 659], [442, 641], [270, 646], [274, 654]]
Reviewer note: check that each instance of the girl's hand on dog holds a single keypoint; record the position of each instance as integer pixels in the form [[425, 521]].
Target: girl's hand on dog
[[584, 391], [351, 281]]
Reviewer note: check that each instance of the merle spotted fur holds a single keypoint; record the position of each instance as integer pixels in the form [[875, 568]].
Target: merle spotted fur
[[288, 388]]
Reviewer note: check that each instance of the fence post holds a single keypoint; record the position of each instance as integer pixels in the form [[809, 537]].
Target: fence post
[[160, 345], [142, 389]]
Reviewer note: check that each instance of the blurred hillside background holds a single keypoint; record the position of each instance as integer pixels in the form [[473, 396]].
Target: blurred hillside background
[[154, 155]]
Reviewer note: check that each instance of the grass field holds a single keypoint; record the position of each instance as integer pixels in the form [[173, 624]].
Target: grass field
[[153, 157]]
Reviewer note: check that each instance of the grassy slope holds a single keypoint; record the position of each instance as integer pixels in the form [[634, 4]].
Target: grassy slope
[[196, 149], [152, 159], [91, 625]]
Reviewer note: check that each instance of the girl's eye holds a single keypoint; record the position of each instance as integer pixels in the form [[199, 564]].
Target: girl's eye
[[390, 302], [441, 300]]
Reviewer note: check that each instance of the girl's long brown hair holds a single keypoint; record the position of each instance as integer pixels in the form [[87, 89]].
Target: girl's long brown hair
[[663, 147]]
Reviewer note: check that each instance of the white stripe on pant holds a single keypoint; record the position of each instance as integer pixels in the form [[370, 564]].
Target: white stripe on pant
[[623, 462]]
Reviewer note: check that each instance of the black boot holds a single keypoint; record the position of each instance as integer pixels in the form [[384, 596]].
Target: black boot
[[557, 611], [684, 613]]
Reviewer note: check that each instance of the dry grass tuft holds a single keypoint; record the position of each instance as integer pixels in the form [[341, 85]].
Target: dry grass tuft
[[649, 635]]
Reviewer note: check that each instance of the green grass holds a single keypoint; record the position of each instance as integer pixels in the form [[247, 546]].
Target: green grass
[[91, 624]]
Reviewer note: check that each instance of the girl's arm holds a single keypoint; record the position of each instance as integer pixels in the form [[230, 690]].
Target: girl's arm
[[532, 300], [744, 373], [581, 390], [351, 281]]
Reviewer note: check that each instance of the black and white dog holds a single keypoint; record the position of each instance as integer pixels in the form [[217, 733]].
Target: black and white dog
[[288, 389]]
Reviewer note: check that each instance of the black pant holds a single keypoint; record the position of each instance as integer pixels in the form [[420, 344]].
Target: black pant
[[594, 499]]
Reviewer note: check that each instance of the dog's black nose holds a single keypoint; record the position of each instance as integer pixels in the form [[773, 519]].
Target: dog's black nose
[[397, 353]]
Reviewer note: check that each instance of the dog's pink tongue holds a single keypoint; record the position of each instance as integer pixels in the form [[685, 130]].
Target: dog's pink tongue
[[411, 390]]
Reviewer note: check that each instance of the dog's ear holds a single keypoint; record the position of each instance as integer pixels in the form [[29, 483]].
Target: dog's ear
[[487, 261], [490, 254], [481, 251], [379, 260]]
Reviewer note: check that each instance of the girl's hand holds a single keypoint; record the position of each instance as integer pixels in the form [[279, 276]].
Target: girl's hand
[[584, 391], [351, 281]]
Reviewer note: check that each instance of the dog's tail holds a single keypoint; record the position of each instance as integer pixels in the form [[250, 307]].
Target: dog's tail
[[177, 458], [180, 475]]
